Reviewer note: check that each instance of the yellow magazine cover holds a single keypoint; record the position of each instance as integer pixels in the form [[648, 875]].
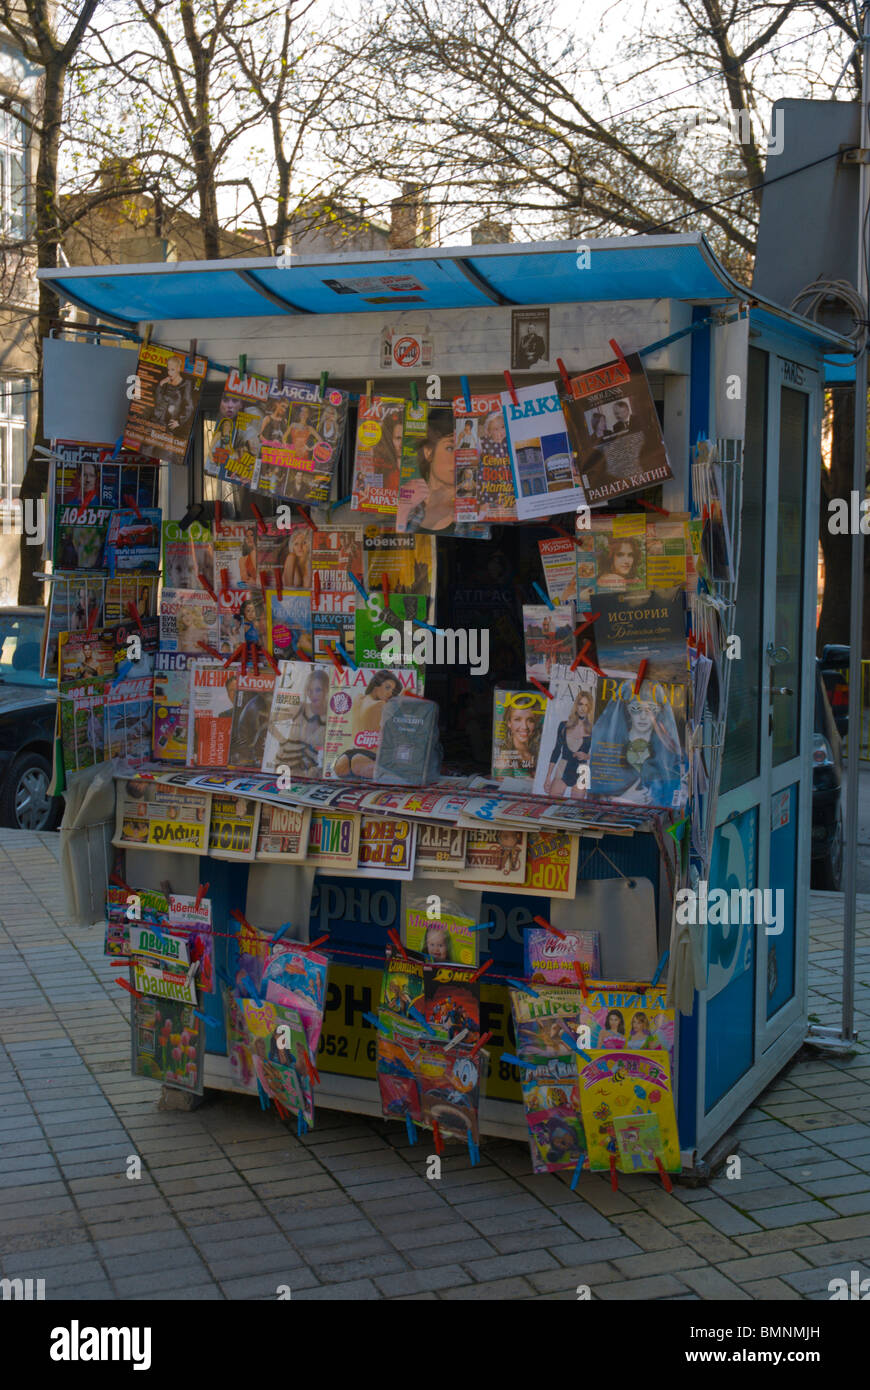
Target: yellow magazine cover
[[627, 1107]]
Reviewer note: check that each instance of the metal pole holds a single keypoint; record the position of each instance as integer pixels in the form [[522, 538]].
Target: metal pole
[[856, 617]]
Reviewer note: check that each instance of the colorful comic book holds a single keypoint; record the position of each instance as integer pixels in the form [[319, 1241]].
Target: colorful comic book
[[551, 1096], [278, 1046], [450, 1088], [541, 1022], [621, 1093], [451, 1001], [402, 987], [445, 937], [296, 979], [550, 959], [397, 1072]]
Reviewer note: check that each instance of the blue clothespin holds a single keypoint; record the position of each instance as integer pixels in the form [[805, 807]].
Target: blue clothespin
[[254, 992], [515, 1061], [415, 1014], [526, 989], [209, 1022], [116, 452], [419, 622], [577, 1171], [342, 501], [156, 927], [122, 672], [282, 931], [545, 597], [481, 926], [659, 968], [350, 661], [473, 1152], [264, 1099], [466, 392], [377, 1023], [301, 1125], [359, 588], [411, 1129]]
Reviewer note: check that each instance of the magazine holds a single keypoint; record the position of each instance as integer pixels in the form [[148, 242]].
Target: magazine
[[188, 618], [133, 541], [194, 922], [546, 479], [296, 979], [335, 556], [406, 562], [637, 747], [129, 712], [235, 444], [627, 1105], [540, 1023], [518, 717], [213, 688], [162, 982], [278, 1043], [563, 761], [378, 455], [440, 850], [80, 537], [484, 482], [451, 1001], [397, 1072], [236, 562], [288, 624], [493, 856], [355, 707], [549, 638], [154, 815], [233, 827], [386, 848], [612, 553], [140, 590], [615, 430], [559, 562], [300, 441], [647, 626], [82, 723], [160, 419], [450, 1088], [446, 937], [172, 672], [371, 633], [618, 1019], [187, 555], [251, 713], [152, 907], [551, 865], [550, 959], [86, 656], [164, 948], [283, 832], [89, 475], [74, 604], [551, 1096], [297, 720], [167, 1043], [333, 839]]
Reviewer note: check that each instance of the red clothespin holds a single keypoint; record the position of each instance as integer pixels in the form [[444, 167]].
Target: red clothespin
[[651, 507], [311, 945], [510, 386], [261, 525], [548, 926], [236, 656], [333, 655], [613, 1182], [307, 519], [581, 656], [316, 587], [241, 919], [566, 380], [271, 660], [255, 657], [436, 1135], [209, 590], [385, 585], [554, 526], [125, 984], [666, 1182], [279, 583], [212, 651], [217, 516], [115, 877], [201, 892], [244, 658], [91, 620], [581, 978], [225, 581], [641, 672], [619, 355], [134, 614], [310, 1067], [264, 580], [398, 945], [480, 969], [130, 501], [481, 1042], [543, 689], [119, 960], [589, 619]]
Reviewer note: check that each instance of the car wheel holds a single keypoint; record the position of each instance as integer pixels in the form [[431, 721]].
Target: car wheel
[[828, 871], [24, 800]]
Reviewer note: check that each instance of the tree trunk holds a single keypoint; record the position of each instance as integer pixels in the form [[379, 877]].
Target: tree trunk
[[836, 549]]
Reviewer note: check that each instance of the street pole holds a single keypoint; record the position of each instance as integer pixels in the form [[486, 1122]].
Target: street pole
[[856, 618]]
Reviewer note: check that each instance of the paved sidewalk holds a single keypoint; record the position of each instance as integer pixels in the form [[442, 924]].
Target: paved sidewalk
[[231, 1205]]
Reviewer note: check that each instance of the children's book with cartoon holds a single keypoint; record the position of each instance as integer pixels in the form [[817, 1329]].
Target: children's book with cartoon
[[617, 1019], [623, 1085], [551, 1096], [397, 1064], [167, 1043], [450, 1088], [451, 1001], [278, 1048], [550, 959], [402, 984], [541, 1022], [296, 979]]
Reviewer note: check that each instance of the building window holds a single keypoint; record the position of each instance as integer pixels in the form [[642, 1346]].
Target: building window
[[14, 398], [13, 178]]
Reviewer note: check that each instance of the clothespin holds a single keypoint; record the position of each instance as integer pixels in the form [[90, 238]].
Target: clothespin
[[510, 386], [225, 581], [280, 375], [581, 656], [241, 919], [359, 588], [370, 391], [436, 1135], [309, 1066], [480, 970], [243, 363], [548, 926], [526, 989], [481, 1042], [115, 877], [641, 672], [454, 1041], [134, 614], [116, 452], [666, 1182], [651, 507], [543, 595], [307, 519], [678, 829], [282, 931], [255, 993], [410, 1129], [543, 689], [481, 926], [271, 660], [209, 590], [255, 657], [377, 1023], [619, 355], [192, 353], [212, 651], [91, 620], [316, 588], [659, 970], [122, 673], [209, 1022], [342, 501], [613, 1181], [225, 979], [147, 338], [311, 945], [200, 894], [563, 372], [130, 501], [415, 1014], [125, 984], [217, 515], [279, 583], [264, 1099], [577, 1171], [397, 943], [513, 1061], [590, 618], [415, 398], [235, 656], [385, 586], [348, 660], [333, 656], [581, 978], [473, 1152], [261, 525], [466, 392], [301, 1125]]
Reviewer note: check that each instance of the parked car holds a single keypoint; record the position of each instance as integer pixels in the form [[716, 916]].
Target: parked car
[[28, 703], [835, 675], [827, 836]]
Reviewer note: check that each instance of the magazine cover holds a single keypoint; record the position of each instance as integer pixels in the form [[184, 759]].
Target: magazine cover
[[172, 672], [546, 479], [82, 723], [167, 1043], [446, 938], [333, 839], [74, 604], [187, 555], [634, 1087], [615, 430], [251, 712], [152, 906], [129, 712], [131, 636], [484, 482], [213, 688], [355, 707], [188, 617], [518, 717], [336, 555], [450, 1088], [637, 747], [300, 441], [427, 496], [540, 1023], [406, 562], [549, 638], [296, 725], [288, 624], [88, 475], [402, 984], [153, 815], [161, 981], [233, 827], [669, 562], [566, 736], [236, 563], [86, 655], [283, 832], [440, 850], [296, 979], [378, 455], [235, 444], [397, 1068], [80, 537], [160, 420], [551, 865], [118, 594], [451, 1001], [371, 633], [494, 856], [550, 959], [164, 948], [551, 1096], [559, 562], [195, 924], [648, 626], [277, 1043], [386, 848], [614, 548], [622, 1018], [133, 541]]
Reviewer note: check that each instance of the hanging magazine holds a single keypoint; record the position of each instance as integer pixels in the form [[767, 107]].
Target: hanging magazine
[[160, 417], [300, 441], [356, 704], [187, 555], [615, 430], [551, 1096], [378, 455], [484, 482], [297, 720], [545, 477], [627, 1105], [167, 1043], [235, 444]]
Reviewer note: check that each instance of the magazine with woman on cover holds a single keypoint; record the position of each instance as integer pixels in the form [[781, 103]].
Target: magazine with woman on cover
[[615, 430], [518, 716], [297, 719]]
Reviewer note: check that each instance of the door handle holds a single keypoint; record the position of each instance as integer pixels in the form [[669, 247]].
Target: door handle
[[777, 655], [779, 690]]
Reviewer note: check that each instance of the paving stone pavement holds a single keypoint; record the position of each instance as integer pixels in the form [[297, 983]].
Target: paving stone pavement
[[232, 1205]]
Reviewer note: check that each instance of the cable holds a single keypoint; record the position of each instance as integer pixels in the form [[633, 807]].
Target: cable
[[823, 290]]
